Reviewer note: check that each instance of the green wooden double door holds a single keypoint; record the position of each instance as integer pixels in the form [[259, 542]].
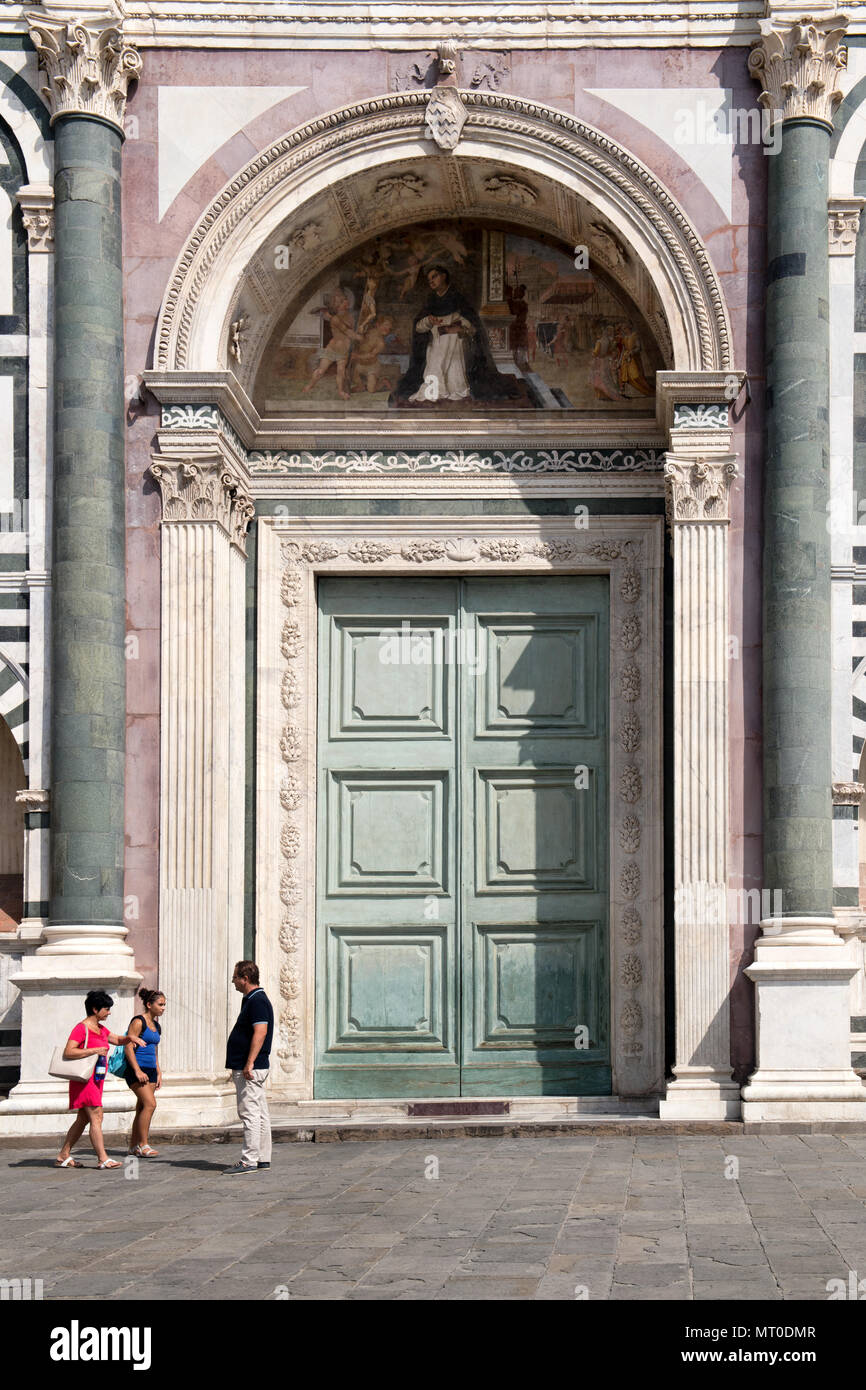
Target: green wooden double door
[[462, 897]]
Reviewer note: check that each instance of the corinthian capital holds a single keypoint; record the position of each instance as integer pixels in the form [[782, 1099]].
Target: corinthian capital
[[797, 62], [87, 64], [698, 489], [204, 490]]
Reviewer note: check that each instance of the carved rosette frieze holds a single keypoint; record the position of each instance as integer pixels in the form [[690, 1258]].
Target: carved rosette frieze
[[698, 489], [843, 225], [205, 490], [88, 66], [635, 855], [798, 64], [36, 201]]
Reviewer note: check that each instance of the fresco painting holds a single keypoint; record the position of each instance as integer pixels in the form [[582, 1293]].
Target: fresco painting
[[458, 317]]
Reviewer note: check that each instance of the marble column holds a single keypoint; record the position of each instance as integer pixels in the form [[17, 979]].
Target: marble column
[[802, 967], [206, 512], [87, 69], [698, 487], [37, 211]]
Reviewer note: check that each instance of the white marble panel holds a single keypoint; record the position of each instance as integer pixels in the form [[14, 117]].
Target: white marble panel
[[194, 121], [676, 113]]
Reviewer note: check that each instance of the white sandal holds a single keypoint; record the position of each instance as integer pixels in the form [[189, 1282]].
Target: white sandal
[[109, 1163], [69, 1162]]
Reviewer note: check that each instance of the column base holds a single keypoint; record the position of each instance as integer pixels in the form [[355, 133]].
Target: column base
[[802, 973], [700, 1094], [42, 1107], [822, 1094], [188, 1102]]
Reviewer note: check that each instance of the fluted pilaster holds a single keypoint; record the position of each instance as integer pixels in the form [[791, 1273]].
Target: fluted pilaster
[[205, 517], [697, 504]]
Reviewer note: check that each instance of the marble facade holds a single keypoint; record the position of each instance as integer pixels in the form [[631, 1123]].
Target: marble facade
[[242, 135]]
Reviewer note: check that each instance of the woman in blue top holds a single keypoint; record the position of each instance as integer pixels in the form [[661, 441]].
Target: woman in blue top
[[143, 1074]]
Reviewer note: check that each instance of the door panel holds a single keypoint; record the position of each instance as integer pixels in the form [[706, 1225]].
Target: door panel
[[462, 919], [534, 789], [387, 925]]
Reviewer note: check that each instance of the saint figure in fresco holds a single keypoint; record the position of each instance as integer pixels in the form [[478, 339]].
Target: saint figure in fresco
[[631, 363], [605, 354], [450, 358]]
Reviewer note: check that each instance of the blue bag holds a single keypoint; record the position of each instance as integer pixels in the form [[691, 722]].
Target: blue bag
[[117, 1062]]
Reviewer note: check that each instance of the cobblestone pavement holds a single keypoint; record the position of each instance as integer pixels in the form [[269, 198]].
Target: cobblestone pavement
[[621, 1218]]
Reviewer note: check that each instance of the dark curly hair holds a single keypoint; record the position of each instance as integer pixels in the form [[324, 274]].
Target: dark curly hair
[[97, 999], [147, 996]]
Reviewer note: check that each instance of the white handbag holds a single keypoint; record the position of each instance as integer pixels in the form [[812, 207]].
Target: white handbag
[[79, 1069]]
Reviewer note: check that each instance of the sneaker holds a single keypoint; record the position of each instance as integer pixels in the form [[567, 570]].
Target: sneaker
[[241, 1168], [263, 1165]]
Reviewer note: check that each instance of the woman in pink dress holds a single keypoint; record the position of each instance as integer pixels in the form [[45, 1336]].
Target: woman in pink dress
[[90, 1039]]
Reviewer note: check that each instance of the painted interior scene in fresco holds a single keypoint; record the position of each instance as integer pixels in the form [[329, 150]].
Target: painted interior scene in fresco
[[457, 317]]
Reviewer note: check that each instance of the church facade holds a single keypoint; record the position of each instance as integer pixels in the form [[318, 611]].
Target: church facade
[[431, 517]]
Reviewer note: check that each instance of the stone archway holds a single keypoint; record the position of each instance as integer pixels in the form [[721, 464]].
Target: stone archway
[[389, 130], [206, 470]]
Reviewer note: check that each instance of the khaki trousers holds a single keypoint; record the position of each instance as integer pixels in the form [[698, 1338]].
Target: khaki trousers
[[253, 1113]]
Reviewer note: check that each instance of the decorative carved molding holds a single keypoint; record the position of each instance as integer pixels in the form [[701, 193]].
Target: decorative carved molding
[[454, 461], [505, 188], [88, 64], [843, 225], [798, 64], [291, 555], [848, 793], [191, 417], [36, 201], [33, 799], [205, 490], [710, 416], [405, 188], [401, 114], [698, 489]]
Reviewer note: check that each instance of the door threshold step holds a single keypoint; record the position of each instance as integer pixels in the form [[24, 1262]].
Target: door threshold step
[[439, 1109]]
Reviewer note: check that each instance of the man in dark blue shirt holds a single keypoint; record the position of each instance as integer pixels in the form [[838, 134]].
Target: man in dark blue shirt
[[248, 1055]]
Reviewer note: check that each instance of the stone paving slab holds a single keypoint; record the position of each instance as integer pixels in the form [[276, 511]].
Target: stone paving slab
[[641, 1217]]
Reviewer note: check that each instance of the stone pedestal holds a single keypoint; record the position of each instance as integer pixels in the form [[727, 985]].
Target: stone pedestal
[[74, 959], [802, 973]]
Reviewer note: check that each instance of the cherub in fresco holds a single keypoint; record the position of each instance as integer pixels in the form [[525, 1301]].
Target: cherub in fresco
[[343, 335], [365, 359], [372, 267]]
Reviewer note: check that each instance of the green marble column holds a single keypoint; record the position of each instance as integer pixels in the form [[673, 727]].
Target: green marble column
[[88, 622], [797, 653]]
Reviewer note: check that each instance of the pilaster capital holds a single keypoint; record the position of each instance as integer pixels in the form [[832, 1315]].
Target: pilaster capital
[[848, 793], [204, 489], [797, 62], [36, 201], [698, 489], [32, 799], [87, 63], [843, 224]]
